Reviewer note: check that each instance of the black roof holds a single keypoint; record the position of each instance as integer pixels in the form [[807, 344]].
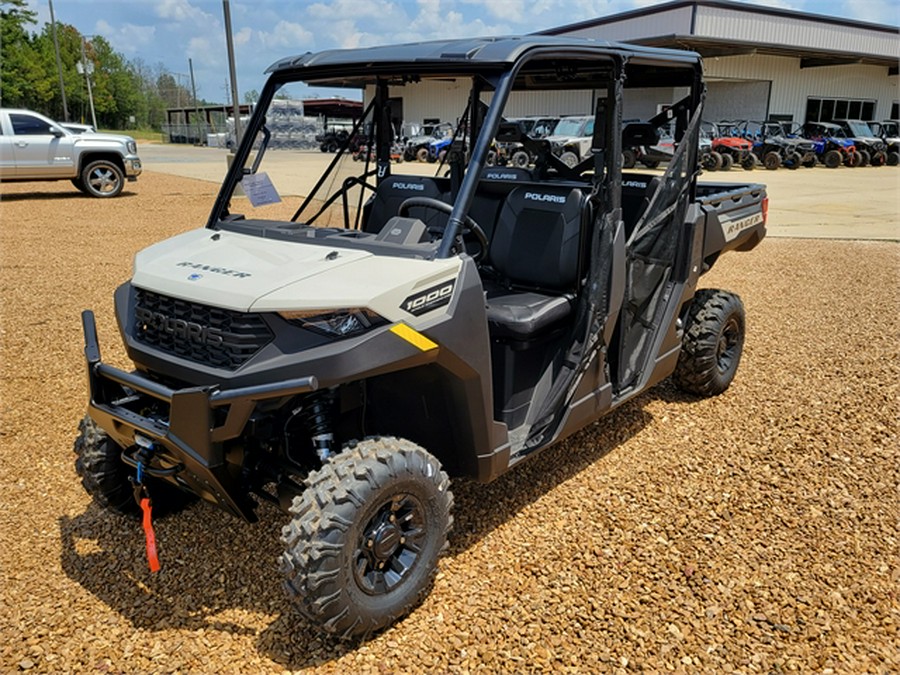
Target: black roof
[[468, 53]]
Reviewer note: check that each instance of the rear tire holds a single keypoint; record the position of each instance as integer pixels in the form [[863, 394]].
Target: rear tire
[[361, 549], [727, 161], [864, 157], [750, 162], [712, 344], [422, 155], [629, 158], [793, 161], [893, 158], [105, 476]]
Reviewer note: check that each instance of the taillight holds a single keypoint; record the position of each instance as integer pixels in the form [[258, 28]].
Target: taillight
[[765, 209]]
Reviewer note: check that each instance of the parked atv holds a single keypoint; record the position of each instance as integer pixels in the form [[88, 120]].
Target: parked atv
[[732, 148], [832, 147], [889, 132], [872, 150], [344, 362]]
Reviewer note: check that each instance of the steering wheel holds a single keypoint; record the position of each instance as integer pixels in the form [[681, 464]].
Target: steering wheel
[[469, 225]]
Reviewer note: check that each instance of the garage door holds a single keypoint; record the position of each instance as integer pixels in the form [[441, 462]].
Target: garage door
[[737, 100]]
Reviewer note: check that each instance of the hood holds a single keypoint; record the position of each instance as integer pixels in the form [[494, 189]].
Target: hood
[[89, 137], [232, 270]]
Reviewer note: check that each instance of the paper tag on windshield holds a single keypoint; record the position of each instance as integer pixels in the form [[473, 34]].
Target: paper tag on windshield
[[259, 189]]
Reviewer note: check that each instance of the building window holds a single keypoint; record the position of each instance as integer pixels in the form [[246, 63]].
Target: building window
[[895, 110], [830, 109]]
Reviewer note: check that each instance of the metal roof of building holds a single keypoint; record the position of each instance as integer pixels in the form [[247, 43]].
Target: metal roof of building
[[726, 28]]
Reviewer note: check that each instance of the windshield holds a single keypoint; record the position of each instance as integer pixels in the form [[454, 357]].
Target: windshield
[[859, 128], [378, 186], [573, 126]]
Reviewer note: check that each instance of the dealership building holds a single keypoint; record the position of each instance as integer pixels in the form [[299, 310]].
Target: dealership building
[[766, 63], [760, 63]]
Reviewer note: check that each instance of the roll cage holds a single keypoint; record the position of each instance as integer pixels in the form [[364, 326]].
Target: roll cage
[[495, 69]]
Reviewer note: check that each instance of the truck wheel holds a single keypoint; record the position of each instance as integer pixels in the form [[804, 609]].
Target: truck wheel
[[78, 183], [105, 476], [727, 161], [520, 159], [893, 158], [103, 178], [832, 159], [772, 160], [629, 159], [362, 546], [712, 344], [569, 158]]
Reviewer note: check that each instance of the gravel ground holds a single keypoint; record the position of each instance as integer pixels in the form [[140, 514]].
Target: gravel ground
[[758, 531]]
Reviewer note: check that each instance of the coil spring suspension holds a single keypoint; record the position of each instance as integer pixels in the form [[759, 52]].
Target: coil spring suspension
[[315, 415]]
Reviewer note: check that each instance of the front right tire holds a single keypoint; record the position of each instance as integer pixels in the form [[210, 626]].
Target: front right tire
[[362, 546], [712, 344], [105, 477]]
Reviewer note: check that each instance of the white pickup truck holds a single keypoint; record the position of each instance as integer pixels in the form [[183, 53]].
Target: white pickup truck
[[35, 148]]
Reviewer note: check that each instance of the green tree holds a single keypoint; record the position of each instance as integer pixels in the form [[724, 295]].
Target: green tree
[[20, 70]]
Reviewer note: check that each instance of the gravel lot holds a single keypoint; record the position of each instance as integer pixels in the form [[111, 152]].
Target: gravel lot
[[754, 532]]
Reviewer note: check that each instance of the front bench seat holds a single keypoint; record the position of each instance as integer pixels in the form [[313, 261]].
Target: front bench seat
[[535, 252]]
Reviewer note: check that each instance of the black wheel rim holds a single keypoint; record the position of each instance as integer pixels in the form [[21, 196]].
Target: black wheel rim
[[390, 545], [727, 348]]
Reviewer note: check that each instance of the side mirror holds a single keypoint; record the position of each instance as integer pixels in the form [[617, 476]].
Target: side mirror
[[56, 131]]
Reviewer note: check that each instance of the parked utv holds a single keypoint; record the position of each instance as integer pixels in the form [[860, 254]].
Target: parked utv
[[889, 132], [774, 148], [832, 146], [343, 356], [731, 147], [872, 150]]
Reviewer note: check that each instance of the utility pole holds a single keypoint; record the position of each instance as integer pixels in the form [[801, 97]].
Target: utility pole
[[62, 87], [88, 69], [235, 99], [196, 107]]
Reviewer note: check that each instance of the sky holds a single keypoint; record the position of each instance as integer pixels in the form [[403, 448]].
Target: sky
[[169, 32]]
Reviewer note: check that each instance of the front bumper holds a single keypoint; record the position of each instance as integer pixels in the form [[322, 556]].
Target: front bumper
[[188, 444], [133, 167]]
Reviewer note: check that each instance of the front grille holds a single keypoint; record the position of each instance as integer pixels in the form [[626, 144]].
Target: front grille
[[214, 337]]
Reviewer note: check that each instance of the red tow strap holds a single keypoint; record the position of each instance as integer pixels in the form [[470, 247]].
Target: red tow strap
[[151, 537]]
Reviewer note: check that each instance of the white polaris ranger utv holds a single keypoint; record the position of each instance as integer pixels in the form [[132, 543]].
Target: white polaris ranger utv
[[344, 354]]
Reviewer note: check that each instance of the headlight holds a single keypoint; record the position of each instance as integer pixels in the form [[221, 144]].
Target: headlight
[[340, 323], [132, 147]]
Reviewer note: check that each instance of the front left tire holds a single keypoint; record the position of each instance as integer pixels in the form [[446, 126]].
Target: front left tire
[[362, 546], [103, 178]]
